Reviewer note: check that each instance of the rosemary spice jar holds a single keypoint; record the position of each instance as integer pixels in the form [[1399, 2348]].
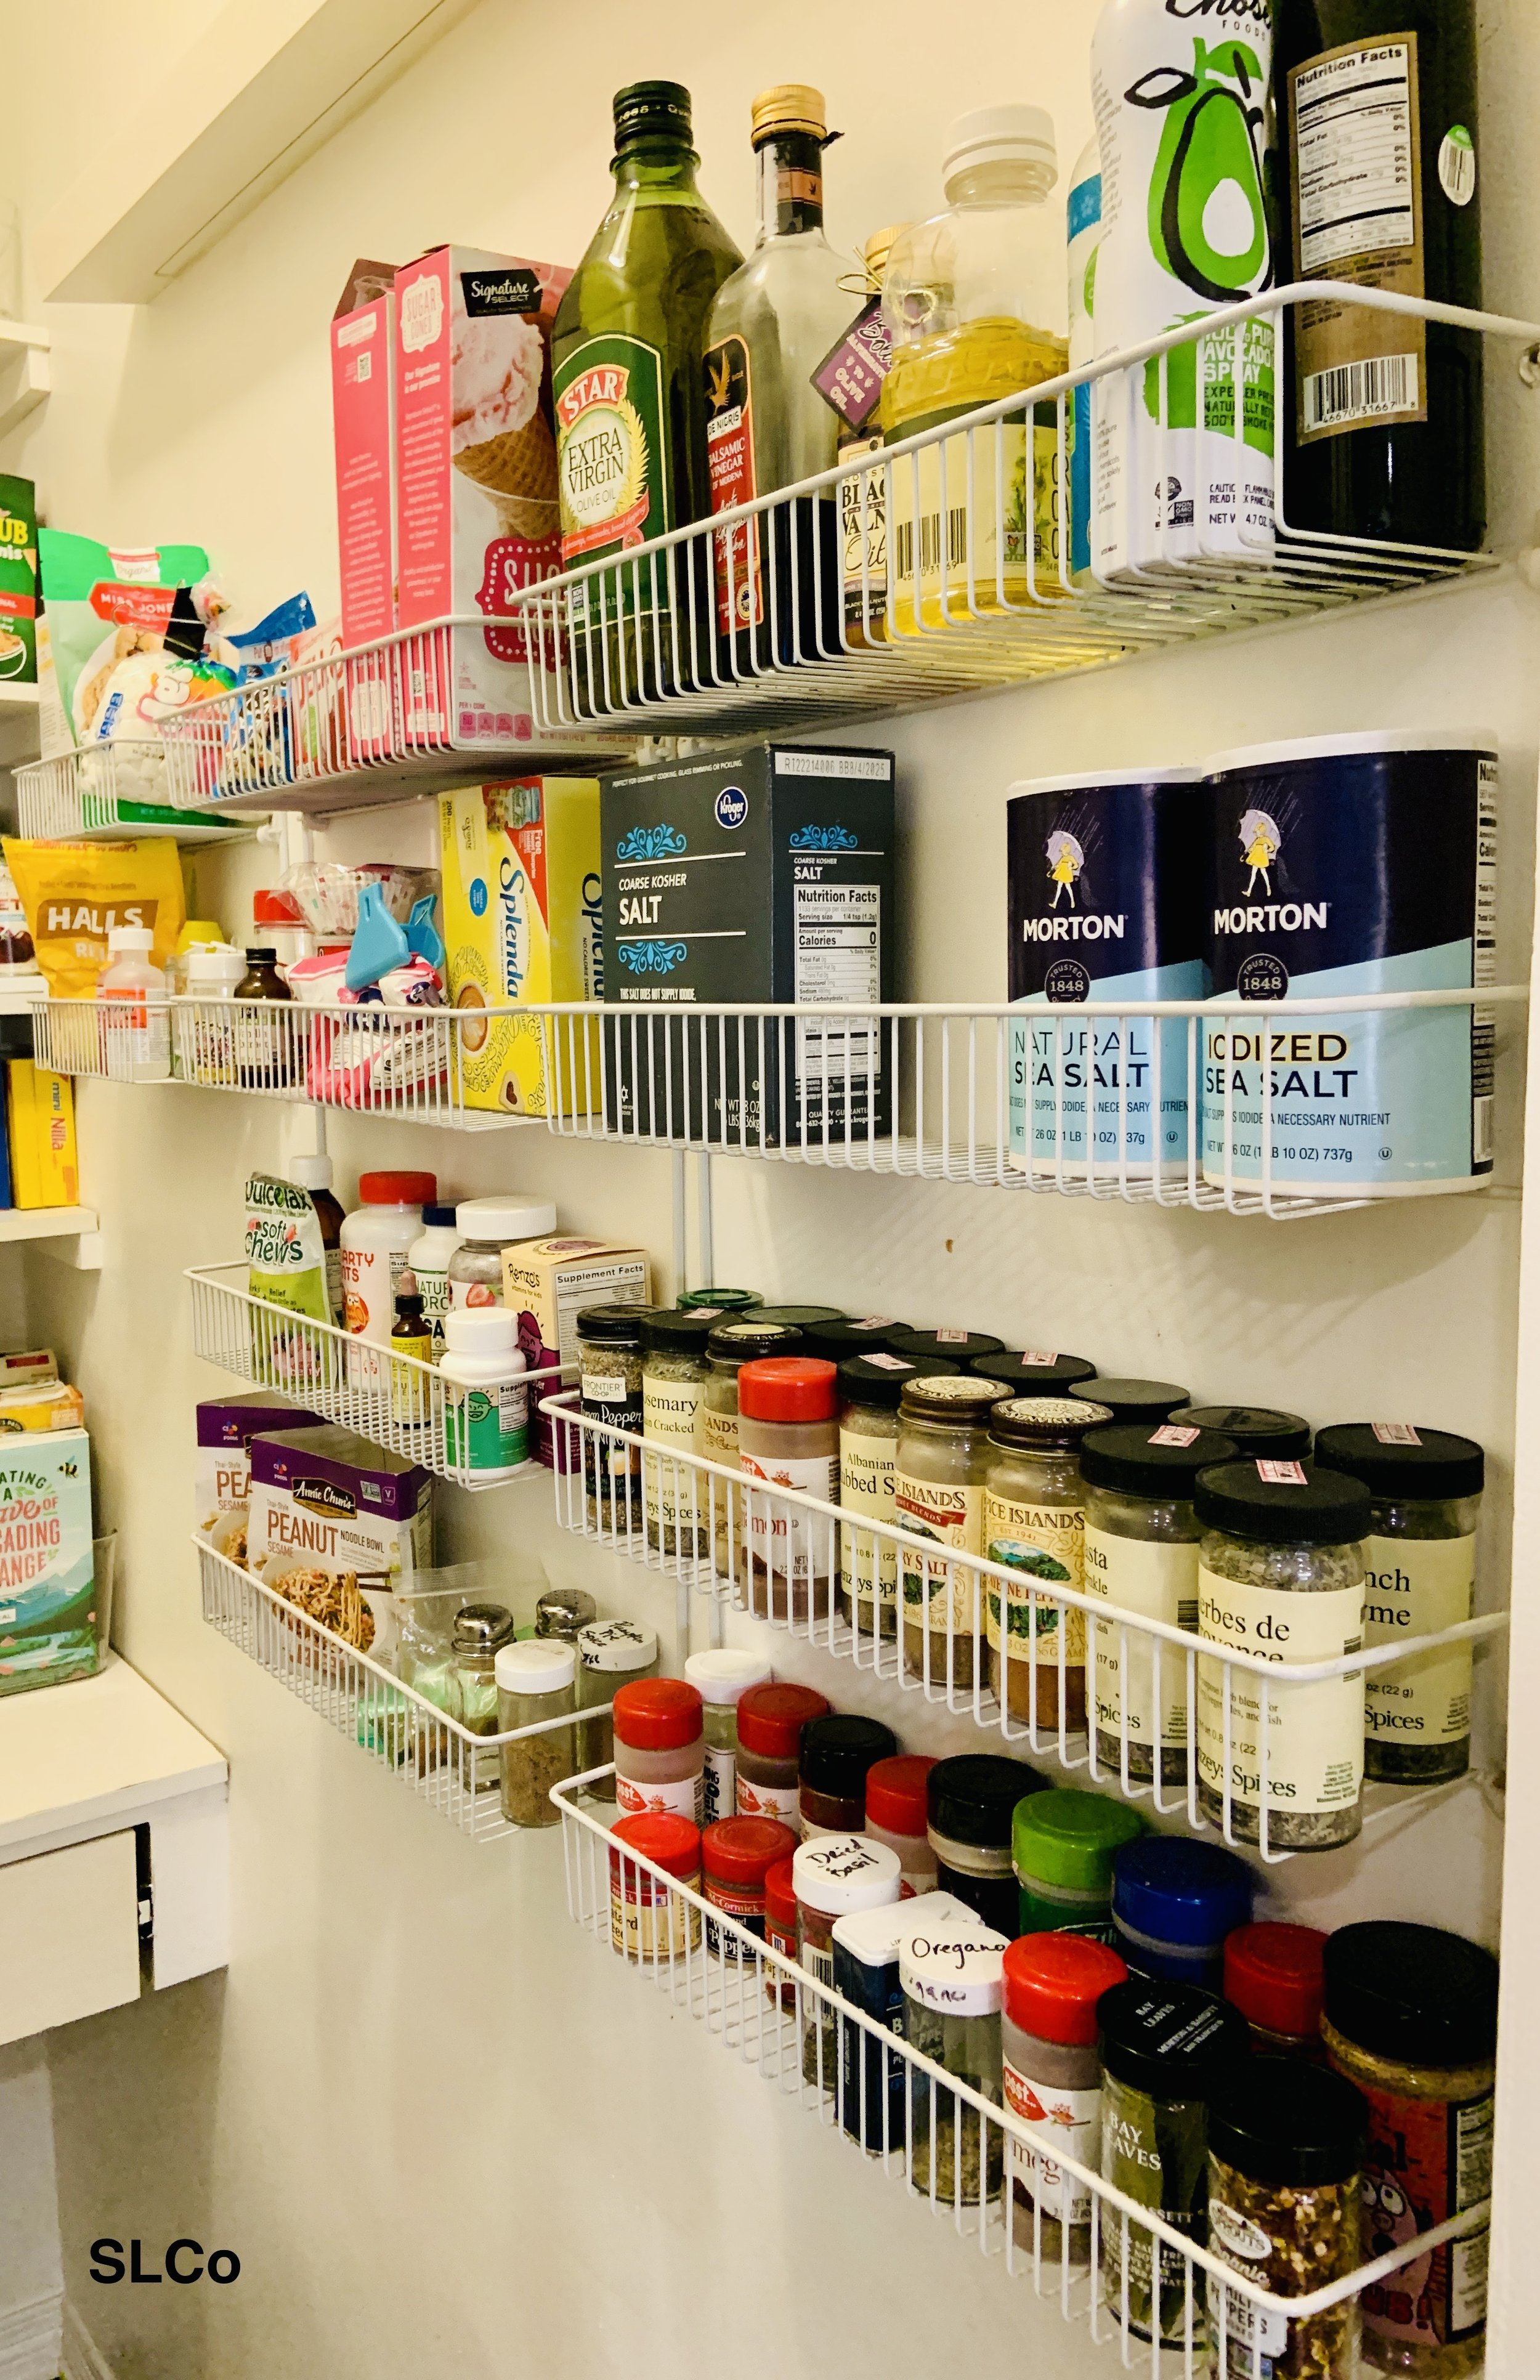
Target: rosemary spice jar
[[1035, 1523], [835, 1754], [723, 1676], [943, 1462], [789, 1437], [871, 1386], [1142, 1539], [1411, 2019], [535, 1681], [649, 1920], [971, 1802], [611, 1653], [1276, 1976], [771, 1720], [835, 1876], [609, 1373], [1052, 2078], [677, 1501], [1282, 1574], [1424, 1487], [951, 1975], [741, 1340], [1286, 2144]]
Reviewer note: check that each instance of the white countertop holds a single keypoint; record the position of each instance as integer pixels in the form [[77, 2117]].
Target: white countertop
[[106, 1748]]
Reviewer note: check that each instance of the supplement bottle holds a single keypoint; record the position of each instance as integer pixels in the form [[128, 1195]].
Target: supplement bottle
[[428, 1259], [409, 1338], [374, 1240], [486, 1226], [486, 1404]]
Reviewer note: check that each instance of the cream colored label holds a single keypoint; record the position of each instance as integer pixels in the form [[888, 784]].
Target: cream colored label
[[866, 1488], [717, 1436], [954, 1516], [1047, 1542], [1415, 1586], [671, 1493], [1315, 1731], [1159, 1583]]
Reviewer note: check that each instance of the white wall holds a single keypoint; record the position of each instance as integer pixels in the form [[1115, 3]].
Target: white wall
[[439, 2126]]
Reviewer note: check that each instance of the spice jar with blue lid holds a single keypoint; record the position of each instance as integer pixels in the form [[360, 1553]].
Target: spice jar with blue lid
[[970, 1805], [1173, 1903]]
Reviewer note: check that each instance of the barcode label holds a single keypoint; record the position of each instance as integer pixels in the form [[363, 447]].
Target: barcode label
[[1362, 392], [930, 541], [838, 1054]]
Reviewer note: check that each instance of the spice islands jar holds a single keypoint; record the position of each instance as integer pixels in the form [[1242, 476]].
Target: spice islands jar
[[1035, 1524], [943, 1463], [871, 1386]]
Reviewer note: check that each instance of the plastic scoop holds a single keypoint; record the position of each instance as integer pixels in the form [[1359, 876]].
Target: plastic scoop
[[378, 942], [422, 935]]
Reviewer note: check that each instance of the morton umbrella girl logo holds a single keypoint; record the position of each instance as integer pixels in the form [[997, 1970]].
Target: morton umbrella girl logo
[[1261, 841], [1066, 860]]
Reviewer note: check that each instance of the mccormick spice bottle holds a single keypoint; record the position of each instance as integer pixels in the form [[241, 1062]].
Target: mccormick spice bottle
[[1053, 2077], [1174, 1903], [649, 1920], [1276, 1976], [771, 1720], [780, 1931], [660, 1747], [737, 1855], [896, 1816]]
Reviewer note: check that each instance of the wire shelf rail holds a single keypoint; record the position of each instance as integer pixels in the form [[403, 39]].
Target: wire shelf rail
[[107, 792]]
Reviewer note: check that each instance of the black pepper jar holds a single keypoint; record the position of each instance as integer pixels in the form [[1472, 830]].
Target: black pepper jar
[[834, 1756], [971, 1804]]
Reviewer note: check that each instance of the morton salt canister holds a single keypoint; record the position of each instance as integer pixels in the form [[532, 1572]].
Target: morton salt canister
[[1353, 864], [1106, 903]]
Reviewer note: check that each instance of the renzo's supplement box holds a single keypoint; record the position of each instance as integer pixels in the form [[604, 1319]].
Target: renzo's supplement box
[[762, 875]]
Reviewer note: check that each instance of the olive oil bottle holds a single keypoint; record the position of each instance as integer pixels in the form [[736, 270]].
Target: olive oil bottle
[[631, 411]]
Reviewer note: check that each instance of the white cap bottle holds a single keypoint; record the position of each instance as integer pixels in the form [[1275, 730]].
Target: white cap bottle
[[486, 1404]]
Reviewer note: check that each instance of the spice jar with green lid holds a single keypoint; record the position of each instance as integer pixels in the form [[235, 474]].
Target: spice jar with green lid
[[480, 1632], [676, 1499], [1035, 1372], [870, 1387], [1062, 1848], [952, 1976], [609, 1374], [1166, 2051], [1035, 1523], [726, 1301], [943, 1461], [1424, 1487], [1142, 1539], [610, 1654], [1280, 1574], [743, 1338], [1255, 1429], [1411, 2019], [1286, 2146]]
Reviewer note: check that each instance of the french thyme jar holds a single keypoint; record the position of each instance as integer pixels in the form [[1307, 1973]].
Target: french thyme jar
[[943, 1462], [1142, 1556], [1035, 1523], [1280, 1574], [743, 1338], [609, 1372], [871, 1386], [1425, 1486], [675, 1499]]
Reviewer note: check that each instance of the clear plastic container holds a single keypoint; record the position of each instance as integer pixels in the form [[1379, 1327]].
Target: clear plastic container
[[135, 1021], [486, 1226], [834, 1875]]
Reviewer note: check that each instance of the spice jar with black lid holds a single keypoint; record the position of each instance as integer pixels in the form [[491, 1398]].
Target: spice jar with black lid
[[1411, 2019], [799, 1318], [676, 1499], [1425, 1488], [609, 1374], [1132, 1402], [971, 1804], [1035, 1372], [843, 1341], [1142, 1539], [1281, 1575], [1286, 2146], [1035, 1523], [870, 1387], [952, 1346], [1255, 1429], [834, 1756], [943, 1462]]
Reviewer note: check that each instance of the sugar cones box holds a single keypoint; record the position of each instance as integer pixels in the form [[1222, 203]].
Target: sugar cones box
[[476, 515]]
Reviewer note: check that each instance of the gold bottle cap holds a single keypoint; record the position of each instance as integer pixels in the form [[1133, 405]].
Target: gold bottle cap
[[788, 107], [879, 248]]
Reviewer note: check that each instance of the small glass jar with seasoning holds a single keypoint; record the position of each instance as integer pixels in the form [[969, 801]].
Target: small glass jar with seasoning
[[943, 1462], [659, 1748], [611, 1653], [609, 1371], [743, 1340], [872, 2077], [1136, 1404], [781, 1932], [1063, 1843], [951, 1975], [649, 1920], [1174, 1901], [1037, 1372], [1282, 1575], [1165, 2049], [789, 1437], [1276, 1976], [870, 1387], [1411, 2019], [736, 1854], [1286, 2148], [1257, 1431], [971, 1806], [835, 1876], [1035, 1524], [535, 1681], [1142, 1539], [678, 1501], [1052, 2078], [1424, 1487], [771, 1720], [723, 1676], [479, 1631], [897, 1814], [836, 1752]]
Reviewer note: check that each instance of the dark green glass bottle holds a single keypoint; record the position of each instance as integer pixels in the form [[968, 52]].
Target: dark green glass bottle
[[631, 411]]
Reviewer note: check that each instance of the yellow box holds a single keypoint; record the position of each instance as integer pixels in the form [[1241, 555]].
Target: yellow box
[[523, 921], [40, 1111]]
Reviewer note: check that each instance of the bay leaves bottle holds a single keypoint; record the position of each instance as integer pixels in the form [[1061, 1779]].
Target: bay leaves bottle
[[631, 411], [1378, 120]]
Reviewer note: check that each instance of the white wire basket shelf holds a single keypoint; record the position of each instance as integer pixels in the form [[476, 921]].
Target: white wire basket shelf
[[960, 2156], [434, 1754], [943, 564], [110, 792], [1040, 1666], [394, 1400], [993, 1096]]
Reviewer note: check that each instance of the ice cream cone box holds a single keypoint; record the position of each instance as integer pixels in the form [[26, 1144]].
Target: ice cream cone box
[[522, 923], [363, 426], [475, 510], [547, 1283]]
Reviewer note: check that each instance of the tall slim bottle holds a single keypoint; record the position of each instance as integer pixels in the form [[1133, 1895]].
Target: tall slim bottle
[[631, 412]]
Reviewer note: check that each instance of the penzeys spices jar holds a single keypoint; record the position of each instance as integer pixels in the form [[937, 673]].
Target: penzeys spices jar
[[971, 1802], [1052, 1983], [871, 1386], [1255, 1429], [1035, 1524], [1426, 1488], [609, 1373], [1282, 1575], [1037, 1372], [676, 1499], [951, 1974], [943, 1463], [1136, 1404]]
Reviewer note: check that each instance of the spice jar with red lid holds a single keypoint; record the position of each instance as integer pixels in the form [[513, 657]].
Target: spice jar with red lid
[[660, 1747], [736, 1854], [647, 1918], [771, 1720], [789, 1437], [1052, 2075], [837, 1753], [1276, 1976], [896, 1814], [781, 1930]]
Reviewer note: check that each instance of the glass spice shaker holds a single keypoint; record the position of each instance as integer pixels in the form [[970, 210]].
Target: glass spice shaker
[[609, 1372], [1035, 1523], [563, 1610], [953, 1979], [535, 1681], [478, 1635], [743, 1340], [871, 1386], [723, 1676], [678, 1503], [611, 1653], [943, 1461]]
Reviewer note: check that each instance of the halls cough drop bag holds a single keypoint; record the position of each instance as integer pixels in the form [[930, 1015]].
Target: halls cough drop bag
[[74, 892]]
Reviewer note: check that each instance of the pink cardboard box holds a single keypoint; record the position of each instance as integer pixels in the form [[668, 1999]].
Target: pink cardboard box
[[363, 424], [476, 515]]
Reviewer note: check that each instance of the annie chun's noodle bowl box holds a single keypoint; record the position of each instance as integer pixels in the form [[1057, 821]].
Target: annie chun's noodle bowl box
[[334, 1525], [1350, 864]]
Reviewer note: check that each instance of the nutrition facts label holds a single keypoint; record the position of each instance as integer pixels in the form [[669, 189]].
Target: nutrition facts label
[[837, 936], [1354, 124]]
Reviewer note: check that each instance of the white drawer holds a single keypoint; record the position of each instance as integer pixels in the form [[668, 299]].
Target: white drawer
[[69, 1935]]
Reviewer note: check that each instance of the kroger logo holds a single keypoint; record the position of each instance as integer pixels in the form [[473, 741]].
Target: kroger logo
[[732, 805]]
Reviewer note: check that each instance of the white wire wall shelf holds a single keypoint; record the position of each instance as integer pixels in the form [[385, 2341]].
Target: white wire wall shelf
[[394, 1400], [1032, 1661], [960, 2155], [108, 793], [450, 1766]]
